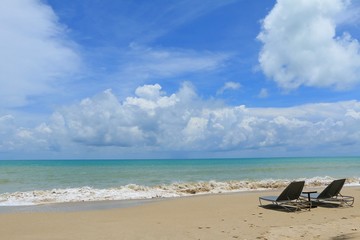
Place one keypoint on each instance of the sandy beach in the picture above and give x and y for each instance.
(228, 216)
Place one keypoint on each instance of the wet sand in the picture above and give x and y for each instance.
(225, 216)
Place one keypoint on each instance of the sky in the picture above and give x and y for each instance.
(121, 79)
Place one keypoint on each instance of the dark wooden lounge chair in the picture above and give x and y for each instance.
(331, 195)
(289, 198)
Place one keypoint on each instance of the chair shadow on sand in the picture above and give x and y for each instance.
(278, 208)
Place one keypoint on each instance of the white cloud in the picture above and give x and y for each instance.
(301, 46)
(195, 129)
(154, 121)
(149, 91)
(152, 20)
(6, 125)
(351, 16)
(35, 53)
(263, 93)
(147, 63)
(149, 98)
(228, 86)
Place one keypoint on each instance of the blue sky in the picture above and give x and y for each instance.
(173, 79)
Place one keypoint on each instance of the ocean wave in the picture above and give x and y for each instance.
(134, 191)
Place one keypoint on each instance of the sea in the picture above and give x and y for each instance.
(34, 182)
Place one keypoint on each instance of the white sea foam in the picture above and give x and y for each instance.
(133, 191)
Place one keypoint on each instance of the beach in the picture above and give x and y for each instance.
(214, 216)
(176, 120)
(126, 119)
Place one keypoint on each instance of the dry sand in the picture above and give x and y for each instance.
(229, 216)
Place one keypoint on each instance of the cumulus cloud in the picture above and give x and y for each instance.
(153, 121)
(228, 86)
(16, 138)
(302, 48)
(35, 53)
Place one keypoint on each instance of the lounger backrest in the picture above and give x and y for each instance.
(333, 189)
(292, 191)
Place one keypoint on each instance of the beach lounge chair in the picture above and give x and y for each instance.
(331, 194)
(289, 198)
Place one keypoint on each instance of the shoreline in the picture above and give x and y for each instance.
(215, 216)
(134, 192)
(126, 203)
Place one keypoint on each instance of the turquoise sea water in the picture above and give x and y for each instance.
(33, 182)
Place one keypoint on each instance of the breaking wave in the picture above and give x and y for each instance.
(133, 191)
